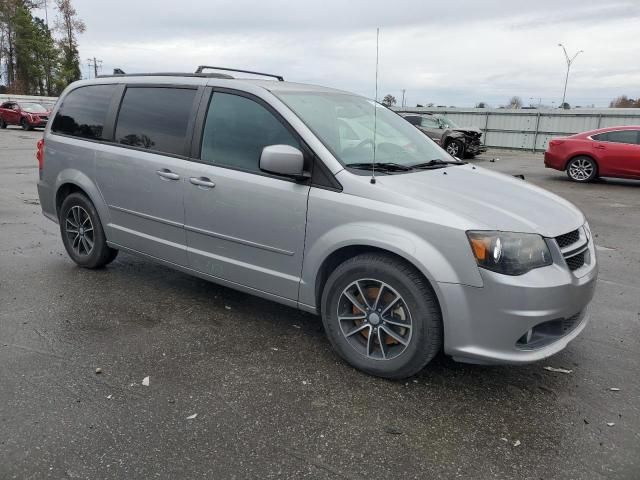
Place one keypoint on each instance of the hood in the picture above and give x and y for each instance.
(490, 200)
(472, 130)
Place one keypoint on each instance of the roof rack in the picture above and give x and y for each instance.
(202, 67)
(168, 74)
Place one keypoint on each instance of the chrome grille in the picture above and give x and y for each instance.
(568, 238)
(576, 261)
(575, 248)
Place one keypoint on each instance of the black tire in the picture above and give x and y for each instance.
(582, 169)
(25, 125)
(424, 339)
(3, 124)
(100, 254)
(455, 148)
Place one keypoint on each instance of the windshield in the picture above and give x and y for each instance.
(33, 108)
(345, 124)
(447, 122)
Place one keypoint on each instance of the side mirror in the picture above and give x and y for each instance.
(283, 160)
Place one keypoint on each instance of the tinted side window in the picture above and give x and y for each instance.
(237, 129)
(84, 111)
(623, 136)
(601, 137)
(155, 118)
(413, 120)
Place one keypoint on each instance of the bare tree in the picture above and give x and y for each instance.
(389, 100)
(624, 102)
(515, 102)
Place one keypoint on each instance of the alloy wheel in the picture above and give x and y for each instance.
(79, 230)
(374, 319)
(581, 169)
(453, 149)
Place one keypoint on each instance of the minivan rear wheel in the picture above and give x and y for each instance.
(381, 316)
(82, 233)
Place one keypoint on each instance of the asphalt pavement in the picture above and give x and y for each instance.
(239, 387)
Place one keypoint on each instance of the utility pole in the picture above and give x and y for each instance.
(95, 64)
(46, 14)
(566, 79)
(403, 91)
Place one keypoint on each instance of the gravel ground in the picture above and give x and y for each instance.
(271, 398)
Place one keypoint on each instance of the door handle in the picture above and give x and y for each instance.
(202, 182)
(168, 174)
(600, 147)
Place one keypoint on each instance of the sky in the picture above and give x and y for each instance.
(452, 52)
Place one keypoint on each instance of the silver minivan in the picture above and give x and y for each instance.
(324, 201)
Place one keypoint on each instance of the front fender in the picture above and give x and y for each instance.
(413, 248)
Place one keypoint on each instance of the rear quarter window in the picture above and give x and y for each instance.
(84, 111)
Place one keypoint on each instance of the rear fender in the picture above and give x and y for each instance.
(82, 181)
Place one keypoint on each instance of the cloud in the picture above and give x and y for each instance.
(454, 53)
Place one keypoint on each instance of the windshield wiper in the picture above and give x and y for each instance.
(385, 166)
(436, 163)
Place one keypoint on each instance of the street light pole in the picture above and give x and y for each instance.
(566, 78)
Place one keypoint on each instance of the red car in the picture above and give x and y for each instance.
(28, 115)
(607, 152)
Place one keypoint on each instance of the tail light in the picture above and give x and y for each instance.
(40, 154)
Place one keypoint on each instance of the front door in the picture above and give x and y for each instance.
(142, 180)
(619, 152)
(242, 225)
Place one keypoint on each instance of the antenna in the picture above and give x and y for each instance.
(375, 109)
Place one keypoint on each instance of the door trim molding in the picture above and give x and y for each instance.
(147, 216)
(241, 241)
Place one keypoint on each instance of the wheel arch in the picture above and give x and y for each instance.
(576, 155)
(345, 252)
(70, 181)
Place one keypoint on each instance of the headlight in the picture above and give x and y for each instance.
(509, 253)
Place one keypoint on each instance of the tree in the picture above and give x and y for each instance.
(28, 53)
(70, 26)
(481, 105)
(515, 102)
(624, 102)
(389, 100)
(565, 106)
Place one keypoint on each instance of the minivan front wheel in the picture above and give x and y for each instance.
(381, 316)
(82, 233)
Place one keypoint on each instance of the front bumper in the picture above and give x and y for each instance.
(487, 324)
(476, 148)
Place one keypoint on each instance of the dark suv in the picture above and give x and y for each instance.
(457, 141)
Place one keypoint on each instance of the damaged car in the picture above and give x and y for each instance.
(457, 141)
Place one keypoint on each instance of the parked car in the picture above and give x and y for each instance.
(607, 152)
(457, 141)
(324, 201)
(28, 115)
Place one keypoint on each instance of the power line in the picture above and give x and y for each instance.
(95, 64)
